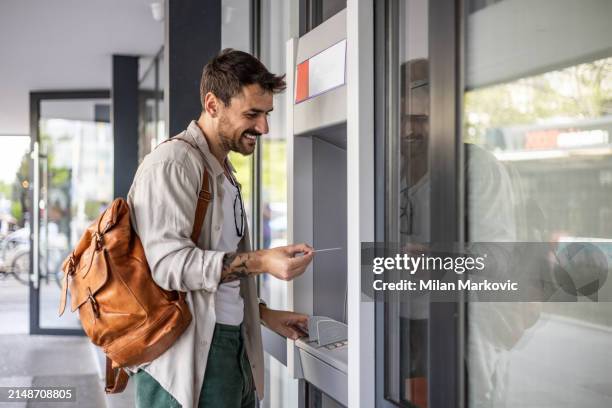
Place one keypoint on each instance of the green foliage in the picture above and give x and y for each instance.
(244, 174)
(92, 209)
(17, 211)
(5, 190)
(59, 176)
(274, 170)
(580, 91)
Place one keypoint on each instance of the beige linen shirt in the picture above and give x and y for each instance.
(162, 202)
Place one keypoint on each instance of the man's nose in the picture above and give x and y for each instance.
(262, 125)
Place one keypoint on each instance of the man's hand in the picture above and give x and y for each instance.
(282, 262)
(285, 263)
(287, 324)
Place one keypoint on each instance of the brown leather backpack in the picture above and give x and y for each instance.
(121, 308)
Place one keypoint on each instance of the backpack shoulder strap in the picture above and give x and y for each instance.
(204, 196)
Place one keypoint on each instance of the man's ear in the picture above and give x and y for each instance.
(211, 104)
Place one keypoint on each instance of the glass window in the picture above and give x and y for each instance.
(236, 24)
(314, 12)
(407, 219)
(537, 128)
(146, 109)
(236, 33)
(331, 7)
(76, 184)
(15, 223)
(274, 33)
(151, 126)
(161, 115)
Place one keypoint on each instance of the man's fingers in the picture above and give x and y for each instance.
(301, 333)
(290, 332)
(301, 261)
(299, 248)
(297, 268)
(303, 326)
(299, 318)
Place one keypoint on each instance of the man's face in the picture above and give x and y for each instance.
(245, 119)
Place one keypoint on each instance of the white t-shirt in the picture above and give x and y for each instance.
(229, 305)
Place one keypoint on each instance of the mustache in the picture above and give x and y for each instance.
(252, 132)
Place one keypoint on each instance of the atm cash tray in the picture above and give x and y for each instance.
(324, 366)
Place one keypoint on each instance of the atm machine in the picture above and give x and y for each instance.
(317, 147)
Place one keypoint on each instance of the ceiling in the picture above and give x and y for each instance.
(66, 44)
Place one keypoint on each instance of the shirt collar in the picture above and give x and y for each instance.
(198, 137)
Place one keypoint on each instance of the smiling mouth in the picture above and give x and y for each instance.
(250, 136)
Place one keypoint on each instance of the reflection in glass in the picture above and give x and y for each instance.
(76, 184)
(539, 159)
(406, 322)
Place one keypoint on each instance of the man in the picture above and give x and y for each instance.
(218, 361)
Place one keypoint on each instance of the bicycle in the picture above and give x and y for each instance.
(15, 260)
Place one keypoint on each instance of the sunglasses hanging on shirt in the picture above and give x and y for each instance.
(238, 205)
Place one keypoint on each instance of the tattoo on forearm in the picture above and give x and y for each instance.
(234, 266)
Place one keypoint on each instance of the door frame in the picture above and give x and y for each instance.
(446, 333)
(36, 97)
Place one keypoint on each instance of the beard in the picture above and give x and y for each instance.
(236, 143)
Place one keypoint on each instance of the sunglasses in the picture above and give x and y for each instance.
(238, 206)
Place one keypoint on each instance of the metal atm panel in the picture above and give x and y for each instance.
(329, 229)
(319, 207)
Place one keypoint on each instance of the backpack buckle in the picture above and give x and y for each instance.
(99, 240)
(71, 266)
(94, 305)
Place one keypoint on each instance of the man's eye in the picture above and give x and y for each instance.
(251, 115)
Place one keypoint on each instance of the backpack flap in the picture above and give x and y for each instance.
(89, 255)
(83, 285)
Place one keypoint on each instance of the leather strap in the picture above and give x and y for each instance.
(204, 196)
(116, 378)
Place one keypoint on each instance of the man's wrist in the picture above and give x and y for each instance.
(235, 266)
(255, 263)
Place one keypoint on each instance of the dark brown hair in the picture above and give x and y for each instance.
(230, 70)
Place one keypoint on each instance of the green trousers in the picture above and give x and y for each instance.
(228, 382)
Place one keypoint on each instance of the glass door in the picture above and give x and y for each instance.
(537, 130)
(72, 174)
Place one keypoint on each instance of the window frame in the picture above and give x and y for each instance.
(446, 334)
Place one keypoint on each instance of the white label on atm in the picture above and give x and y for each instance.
(321, 73)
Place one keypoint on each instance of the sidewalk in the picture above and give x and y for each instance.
(60, 361)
